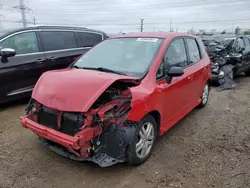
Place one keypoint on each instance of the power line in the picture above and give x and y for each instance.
(158, 6)
(201, 21)
(163, 4)
(23, 9)
(154, 23)
(119, 12)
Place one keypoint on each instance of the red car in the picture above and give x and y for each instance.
(110, 105)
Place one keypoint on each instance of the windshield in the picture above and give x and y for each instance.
(130, 56)
(228, 41)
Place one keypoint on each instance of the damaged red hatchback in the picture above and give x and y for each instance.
(111, 104)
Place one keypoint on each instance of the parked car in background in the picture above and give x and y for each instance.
(27, 53)
(112, 103)
(229, 58)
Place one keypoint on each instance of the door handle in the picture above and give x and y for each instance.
(189, 77)
(39, 60)
(53, 58)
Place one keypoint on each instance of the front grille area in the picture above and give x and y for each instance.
(48, 118)
(71, 122)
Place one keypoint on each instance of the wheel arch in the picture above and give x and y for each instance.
(157, 116)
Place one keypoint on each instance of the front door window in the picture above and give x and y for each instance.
(23, 43)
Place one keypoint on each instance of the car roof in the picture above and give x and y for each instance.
(152, 35)
(51, 27)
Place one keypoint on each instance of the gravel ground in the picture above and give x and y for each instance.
(208, 148)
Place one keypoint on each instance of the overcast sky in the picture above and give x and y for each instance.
(124, 15)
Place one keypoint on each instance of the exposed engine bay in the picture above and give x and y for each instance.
(103, 132)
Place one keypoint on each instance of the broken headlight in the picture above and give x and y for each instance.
(31, 107)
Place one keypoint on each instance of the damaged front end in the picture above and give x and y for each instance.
(101, 134)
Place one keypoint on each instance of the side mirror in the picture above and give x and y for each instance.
(175, 71)
(7, 52)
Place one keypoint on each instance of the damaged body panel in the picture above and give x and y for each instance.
(229, 58)
(82, 85)
(99, 133)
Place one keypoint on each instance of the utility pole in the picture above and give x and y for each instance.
(1, 25)
(34, 20)
(23, 9)
(170, 25)
(142, 20)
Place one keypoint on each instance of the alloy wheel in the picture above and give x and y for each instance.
(145, 141)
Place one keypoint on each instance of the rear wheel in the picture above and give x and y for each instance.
(204, 96)
(143, 142)
(247, 73)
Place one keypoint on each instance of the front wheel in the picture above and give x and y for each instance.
(143, 142)
(204, 96)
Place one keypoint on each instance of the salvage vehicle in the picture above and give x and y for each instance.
(27, 53)
(113, 102)
(229, 58)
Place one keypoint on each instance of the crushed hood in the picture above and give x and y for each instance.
(73, 90)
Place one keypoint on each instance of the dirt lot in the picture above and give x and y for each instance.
(209, 148)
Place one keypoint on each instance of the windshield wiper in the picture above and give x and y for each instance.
(77, 67)
(103, 69)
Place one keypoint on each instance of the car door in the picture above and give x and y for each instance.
(247, 51)
(241, 49)
(20, 73)
(174, 95)
(196, 68)
(60, 48)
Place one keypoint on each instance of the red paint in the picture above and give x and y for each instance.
(76, 90)
(73, 90)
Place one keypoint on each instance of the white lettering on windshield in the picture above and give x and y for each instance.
(147, 39)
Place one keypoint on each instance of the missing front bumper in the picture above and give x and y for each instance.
(106, 149)
(103, 160)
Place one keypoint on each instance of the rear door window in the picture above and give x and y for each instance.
(86, 39)
(58, 40)
(23, 43)
(193, 50)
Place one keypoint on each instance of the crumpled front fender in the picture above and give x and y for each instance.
(143, 102)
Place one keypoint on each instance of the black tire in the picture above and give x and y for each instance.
(204, 102)
(131, 154)
(247, 73)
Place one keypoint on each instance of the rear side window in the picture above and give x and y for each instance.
(193, 50)
(85, 39)
(247, 42)
(202, 47)
(23, 43)
(58, 40)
